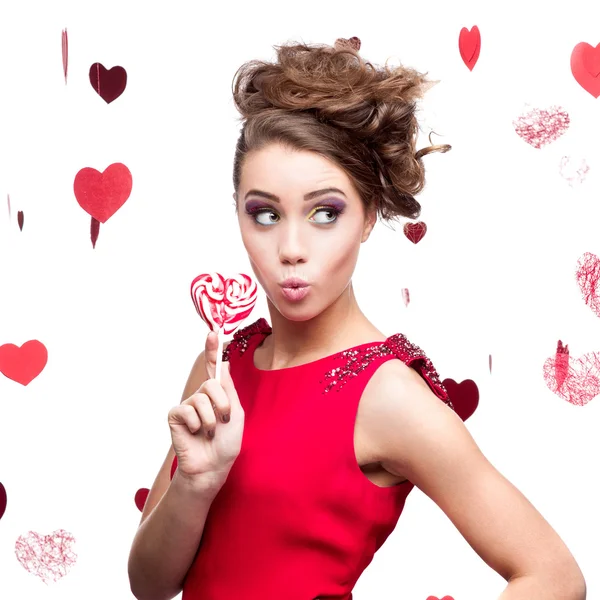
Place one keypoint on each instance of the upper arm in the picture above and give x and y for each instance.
(195, 379)
(424, 440)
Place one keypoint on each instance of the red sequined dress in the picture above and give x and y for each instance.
(297, 519)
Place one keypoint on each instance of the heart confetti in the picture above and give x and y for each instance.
(223, 303)
(573, 170)
(588, 279)
(541, 126)
(23, 364)
(415, 231)
(464, 396)
(101, 195)
(50, 557)
(140, 498)
(585, 66)
(469, 45)
(575, 380)
(109, 84)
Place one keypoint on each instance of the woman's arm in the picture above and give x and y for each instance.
(172, 522)
(166, 542)
(421, 438)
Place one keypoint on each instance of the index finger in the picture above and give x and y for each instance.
(210, 354)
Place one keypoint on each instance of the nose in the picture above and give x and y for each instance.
(292, 246)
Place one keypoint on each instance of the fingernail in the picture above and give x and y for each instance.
(210, 433)
(225, 418)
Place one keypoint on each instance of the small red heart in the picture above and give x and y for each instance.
(588, 279)
(140, 498)
(23, 364)
(540, 127)
(464, 396)
(585, 66)
(102, 194)
(469, 45)
(415, 231)
(436, 598)
(50, 557)
(109, 84)
(575, 380)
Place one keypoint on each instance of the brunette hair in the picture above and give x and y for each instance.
(329, 100)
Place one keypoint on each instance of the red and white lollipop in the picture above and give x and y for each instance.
(223, 304)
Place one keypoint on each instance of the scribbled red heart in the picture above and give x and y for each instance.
(140, 498)
(102, 194)
(108, 83)
(588, 279)
(464, 396)
(469, 45)
(585, 66)
(542, 126)
(49, 557)
(3, 500)
(23, 364)
(575, 380)
(415, 231)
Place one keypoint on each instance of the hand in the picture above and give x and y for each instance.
(207, 427)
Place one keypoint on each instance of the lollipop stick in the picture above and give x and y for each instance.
(219, 352)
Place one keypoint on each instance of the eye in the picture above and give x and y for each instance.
(327, 210)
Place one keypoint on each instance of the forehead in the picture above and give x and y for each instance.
(277, 168)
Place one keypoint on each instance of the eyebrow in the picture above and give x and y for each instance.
(308, 196)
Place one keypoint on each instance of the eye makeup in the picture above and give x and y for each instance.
(254, 207)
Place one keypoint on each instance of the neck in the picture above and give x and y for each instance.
(337, 327)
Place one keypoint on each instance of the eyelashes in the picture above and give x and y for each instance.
(336, 211)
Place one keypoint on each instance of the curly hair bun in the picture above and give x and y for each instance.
(371, 110)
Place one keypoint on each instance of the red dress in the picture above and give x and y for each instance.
(296, 518)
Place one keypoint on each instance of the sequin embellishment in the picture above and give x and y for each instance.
(357, 360)
(242, 336)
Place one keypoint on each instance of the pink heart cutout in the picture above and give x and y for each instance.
(49, 557)
(575, 380)
(588, 279)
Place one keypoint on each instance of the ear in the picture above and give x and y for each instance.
(370, 220)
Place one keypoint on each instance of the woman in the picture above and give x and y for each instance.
(335, 432)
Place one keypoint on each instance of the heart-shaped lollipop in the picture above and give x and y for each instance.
(223, 303)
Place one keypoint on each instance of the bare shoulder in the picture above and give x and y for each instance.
(397, 403)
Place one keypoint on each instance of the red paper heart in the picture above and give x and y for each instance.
(415, 231)
(588, 279)
(469, 45)
(140, 498)
(109, 84)
(585, 66)
(102, 194)
(3, 500)
(464, 396)
(50, 557)
(539, 127)
(575, 380)
(23, 364)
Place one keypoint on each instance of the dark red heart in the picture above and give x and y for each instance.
(102, 194)
(23, 364)
(140, 498)
(469, 45)
(415, 231)
(464, 396)
(109, 84)
(3, 500)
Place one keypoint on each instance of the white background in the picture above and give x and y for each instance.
(495, 273)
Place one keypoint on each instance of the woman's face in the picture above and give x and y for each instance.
(291, 229)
